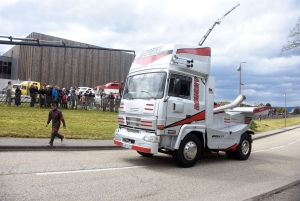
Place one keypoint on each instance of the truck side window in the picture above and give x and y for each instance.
(179, 86)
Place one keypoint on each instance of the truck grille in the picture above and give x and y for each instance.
(132, 121)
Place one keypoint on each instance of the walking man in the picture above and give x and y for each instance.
(56, 116)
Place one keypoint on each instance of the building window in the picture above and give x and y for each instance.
(5, 70)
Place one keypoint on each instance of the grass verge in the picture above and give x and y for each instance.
(23, 122)
(274, 124)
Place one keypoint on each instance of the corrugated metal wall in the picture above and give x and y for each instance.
(71, 67)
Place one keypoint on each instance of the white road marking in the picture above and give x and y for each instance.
(93, 170)
(277, 147)
(257, 151)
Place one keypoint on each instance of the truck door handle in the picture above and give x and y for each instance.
(188, 116)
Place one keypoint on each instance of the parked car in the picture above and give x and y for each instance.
(15, 86)
(84, 89)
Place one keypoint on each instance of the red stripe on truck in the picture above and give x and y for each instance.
(197, 51)
(142, 149)
(118, 143)
(260, 109)
(149, 60)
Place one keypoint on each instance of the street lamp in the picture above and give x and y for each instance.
(240, 69)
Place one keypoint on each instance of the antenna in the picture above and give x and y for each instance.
(218, 22)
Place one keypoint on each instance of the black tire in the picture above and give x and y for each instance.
(231, 154)
(249, 132)
(243, 151)
(189, 151)
(145, 154)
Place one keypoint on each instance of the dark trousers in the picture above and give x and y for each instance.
(42, 102)
(65, 105)
(54, 134)
(33, 100)
(48, 99)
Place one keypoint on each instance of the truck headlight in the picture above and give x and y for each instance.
(149, 138)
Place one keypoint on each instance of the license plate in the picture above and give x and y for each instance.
(128, 146)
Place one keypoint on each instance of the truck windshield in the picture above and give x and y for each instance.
(148, 85)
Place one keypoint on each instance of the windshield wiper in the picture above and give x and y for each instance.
(149, 94)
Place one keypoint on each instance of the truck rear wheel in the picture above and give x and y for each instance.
(244, 149)
(145, 154)
(188, 153)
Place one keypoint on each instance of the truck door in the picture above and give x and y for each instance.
(179, 103)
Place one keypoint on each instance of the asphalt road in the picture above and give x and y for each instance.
(124, 175)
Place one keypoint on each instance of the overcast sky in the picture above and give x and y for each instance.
(254, 33)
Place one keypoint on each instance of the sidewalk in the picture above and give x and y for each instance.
(40, 144)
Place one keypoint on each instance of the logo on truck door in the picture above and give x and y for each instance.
(196, 94)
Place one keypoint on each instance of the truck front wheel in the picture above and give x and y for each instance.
(188, 153)
(244, 149)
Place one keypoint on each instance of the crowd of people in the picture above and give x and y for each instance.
(72, 98)
(64, 98)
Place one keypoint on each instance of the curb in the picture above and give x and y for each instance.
(58, 148)
(276, 133)
(272, 192)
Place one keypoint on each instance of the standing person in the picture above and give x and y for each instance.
(90, 100)
(259, 118)
(33, 92)
(97, 101)
(18, 96)
(56, 116)
(42, 93)
(83, 100)
(60, 95)
(65, 101)
(48, 93)
(76, 98)
(121, 89)
(71, 97)
(111, 99)
(8, 94)
(55, 94)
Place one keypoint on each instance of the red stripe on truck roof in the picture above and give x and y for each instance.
(197, 51)
(260, 109)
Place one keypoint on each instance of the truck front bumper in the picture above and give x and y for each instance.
(143, 142)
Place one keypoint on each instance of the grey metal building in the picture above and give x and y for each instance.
(66, 67)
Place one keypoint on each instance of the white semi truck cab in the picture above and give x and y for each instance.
(168, 107)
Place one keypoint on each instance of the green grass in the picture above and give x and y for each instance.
(24, 122)
(274, 124)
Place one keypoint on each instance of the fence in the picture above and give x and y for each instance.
(276, 116)
(107, 105)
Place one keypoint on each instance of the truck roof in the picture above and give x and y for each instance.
(174, 56)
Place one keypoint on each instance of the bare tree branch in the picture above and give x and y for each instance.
(293, 40)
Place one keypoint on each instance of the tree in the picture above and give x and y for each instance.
(293, 40)
(296, 111)
(268, 105)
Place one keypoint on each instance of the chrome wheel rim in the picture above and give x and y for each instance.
(190, 150)
(245, 147)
